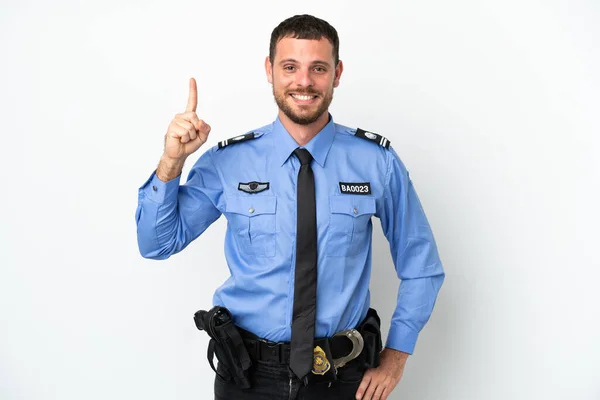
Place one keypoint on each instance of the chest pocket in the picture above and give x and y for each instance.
(349, 224)
(252, 220)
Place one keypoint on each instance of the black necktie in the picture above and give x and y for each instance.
(305, 282)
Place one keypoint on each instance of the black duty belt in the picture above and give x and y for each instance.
(343, 347)
(237, 349)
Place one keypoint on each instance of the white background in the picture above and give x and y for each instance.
(492, 105)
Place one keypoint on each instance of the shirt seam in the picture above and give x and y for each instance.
(156, 227)
(221, 180)
(388, 173)
(388, 177)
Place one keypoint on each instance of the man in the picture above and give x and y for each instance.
(298, 195)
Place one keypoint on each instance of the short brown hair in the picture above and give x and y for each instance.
(305, 27)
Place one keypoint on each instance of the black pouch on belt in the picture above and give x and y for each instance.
(371, 333)
(226, 343)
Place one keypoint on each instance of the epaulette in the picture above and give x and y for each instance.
(373, 137)
(238, 139)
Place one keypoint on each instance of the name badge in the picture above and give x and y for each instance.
(355, 187)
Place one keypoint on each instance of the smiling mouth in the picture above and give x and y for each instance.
(303, 97)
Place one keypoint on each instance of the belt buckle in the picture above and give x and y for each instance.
(357, 346)
(274, 350)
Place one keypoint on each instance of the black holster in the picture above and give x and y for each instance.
(371, 333)
(226, 343)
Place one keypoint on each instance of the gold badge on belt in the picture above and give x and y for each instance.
(320, 362)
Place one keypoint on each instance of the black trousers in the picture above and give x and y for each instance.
(272, 382)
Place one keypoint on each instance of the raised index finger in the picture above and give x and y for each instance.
(193, 97)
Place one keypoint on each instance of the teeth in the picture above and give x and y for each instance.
(300, 97)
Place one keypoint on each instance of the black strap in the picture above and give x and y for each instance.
(226, 344)
(240, 348)
(279, 353)
(264, 350)
(210, 355)
(305, 281)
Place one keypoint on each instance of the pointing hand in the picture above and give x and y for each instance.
(186, 133)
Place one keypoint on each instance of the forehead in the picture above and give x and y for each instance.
(304, 50)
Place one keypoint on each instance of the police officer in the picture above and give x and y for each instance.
(301, 175)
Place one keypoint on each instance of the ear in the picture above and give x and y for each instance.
(269, 70)
(338, 73)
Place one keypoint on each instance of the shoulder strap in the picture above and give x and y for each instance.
(373, 137)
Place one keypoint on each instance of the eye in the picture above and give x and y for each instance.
(288, 68)
(320, 69)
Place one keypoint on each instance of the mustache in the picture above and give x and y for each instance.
(305, 92)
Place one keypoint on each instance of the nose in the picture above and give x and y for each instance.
(303, 78)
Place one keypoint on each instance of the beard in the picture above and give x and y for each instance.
(304, 116)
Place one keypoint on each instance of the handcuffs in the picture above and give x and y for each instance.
(357, 346)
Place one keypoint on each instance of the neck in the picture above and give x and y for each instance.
(302, 134)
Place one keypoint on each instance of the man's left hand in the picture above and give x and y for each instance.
(378, 383)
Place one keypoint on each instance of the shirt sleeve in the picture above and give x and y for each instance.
(169, 216)
(414, 253)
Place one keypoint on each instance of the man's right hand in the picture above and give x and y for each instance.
(185, 135)
(186, 132)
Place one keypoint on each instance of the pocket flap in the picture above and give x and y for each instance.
(251, 205)
(352, 205)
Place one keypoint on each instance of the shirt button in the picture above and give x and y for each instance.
(355, 210)
(154, 188)
(251, 210)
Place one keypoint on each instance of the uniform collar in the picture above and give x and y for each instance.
(318, 146)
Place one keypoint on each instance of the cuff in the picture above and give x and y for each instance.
(160, 192)
(401, 338)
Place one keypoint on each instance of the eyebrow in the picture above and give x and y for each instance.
(312, 63)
